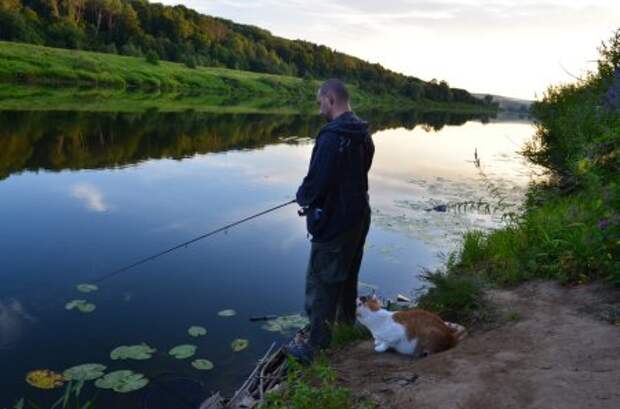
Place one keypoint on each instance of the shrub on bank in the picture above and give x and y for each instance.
(570, 228)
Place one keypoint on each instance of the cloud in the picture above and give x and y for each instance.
(91, 196)
(13, 318)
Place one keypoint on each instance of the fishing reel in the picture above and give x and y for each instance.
(303, 211)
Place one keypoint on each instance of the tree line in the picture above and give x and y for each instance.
(176, 33)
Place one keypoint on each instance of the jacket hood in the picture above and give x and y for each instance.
(349, 125)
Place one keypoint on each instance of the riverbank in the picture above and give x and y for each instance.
(551, 348)
(36, 77)
(548, 346)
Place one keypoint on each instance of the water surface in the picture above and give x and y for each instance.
(82, 194)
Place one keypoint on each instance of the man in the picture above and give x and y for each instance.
(334, 196)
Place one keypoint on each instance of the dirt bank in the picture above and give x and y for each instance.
(551, 348)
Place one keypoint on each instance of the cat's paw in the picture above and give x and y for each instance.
(381, 347)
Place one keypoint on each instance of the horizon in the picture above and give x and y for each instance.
(540, 48)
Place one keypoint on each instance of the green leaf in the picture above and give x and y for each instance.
(87, 288)
(81, 305)
(19, 404)
(239, 344)
(196, 331)
(137, 352)
(183, 351)
(85, 372)
(286, 323)
(227, 313)
(123, 381)
(203, 364)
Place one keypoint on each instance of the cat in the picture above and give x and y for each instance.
(418, 332)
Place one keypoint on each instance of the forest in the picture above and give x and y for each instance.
(151, 30)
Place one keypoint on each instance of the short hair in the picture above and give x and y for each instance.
(336, 87)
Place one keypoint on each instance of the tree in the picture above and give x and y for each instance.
(152, 57)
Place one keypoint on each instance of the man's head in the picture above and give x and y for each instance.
(333, 99)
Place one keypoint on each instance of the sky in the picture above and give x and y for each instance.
(504, 47)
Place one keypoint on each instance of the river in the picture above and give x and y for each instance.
(82, 194)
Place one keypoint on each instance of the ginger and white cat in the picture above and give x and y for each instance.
(416, 332)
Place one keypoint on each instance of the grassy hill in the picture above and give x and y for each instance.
(164, 83)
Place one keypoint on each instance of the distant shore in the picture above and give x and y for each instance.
(39, 78)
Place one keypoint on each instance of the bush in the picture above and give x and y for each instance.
(152, 57)
(65, 35)
(570, 229)
(454, 297)
(131, 50)
(14, 27)
(190, 62)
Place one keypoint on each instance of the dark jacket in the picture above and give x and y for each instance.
(335, 190)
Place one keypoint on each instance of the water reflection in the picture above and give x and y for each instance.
(91, 196)
(13, 320)
(84, 140)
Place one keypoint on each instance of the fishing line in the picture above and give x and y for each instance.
(192, 241)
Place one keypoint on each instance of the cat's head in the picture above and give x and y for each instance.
(366, 306)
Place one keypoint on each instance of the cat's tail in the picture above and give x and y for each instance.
(458, 330)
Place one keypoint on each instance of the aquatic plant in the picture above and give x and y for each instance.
(196, 331)
(137, 352)
(84, 372)
(44, 379)
(80, 305)
(203, 364)
(239, 344)
(87, 288)
(183, 351)
(286, 323)
(227, 313)
(122, 381)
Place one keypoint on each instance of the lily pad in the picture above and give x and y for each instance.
(286, 323)
(85, 372)
(44, 379)
(183, 351)
(87, 288)
(80, 305)
(123, 381)
(239, 344)
(203, 364)
(137, 352)
(227, 313)
(196, 331)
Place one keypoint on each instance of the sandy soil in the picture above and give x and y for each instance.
(550, 349)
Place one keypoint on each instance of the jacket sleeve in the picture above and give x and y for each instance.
(370, 153)
(321, 172)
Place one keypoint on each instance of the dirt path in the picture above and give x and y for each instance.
(552, 350)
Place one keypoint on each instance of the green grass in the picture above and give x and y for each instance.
(311, 387)
(25, 63)
(344, 334)
(105, 78)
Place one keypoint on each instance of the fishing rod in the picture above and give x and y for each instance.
(192, 241)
